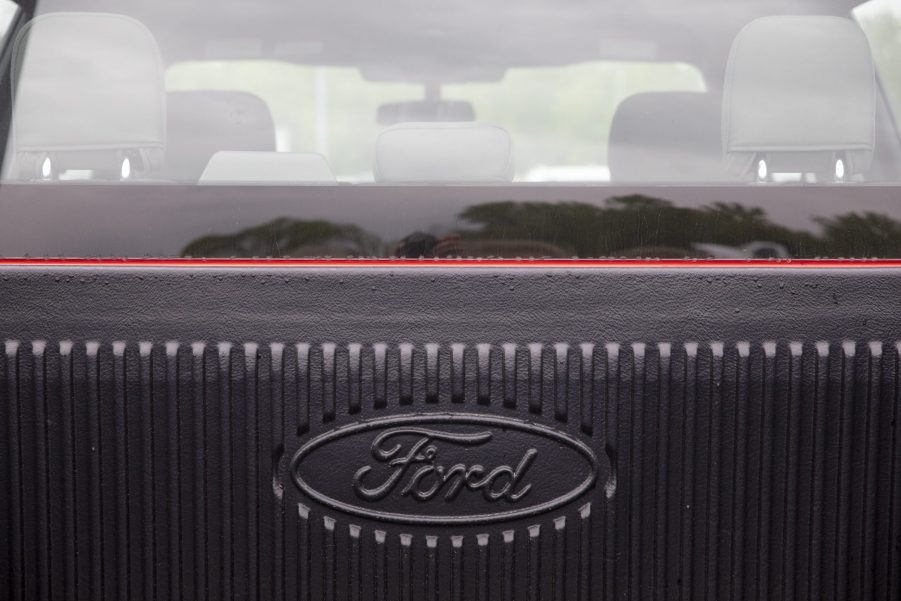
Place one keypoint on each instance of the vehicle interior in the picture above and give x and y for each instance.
(454, 93)
(605, 109)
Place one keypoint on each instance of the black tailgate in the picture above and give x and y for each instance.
(450, 434)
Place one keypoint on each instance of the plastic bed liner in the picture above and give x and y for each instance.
(457, 433)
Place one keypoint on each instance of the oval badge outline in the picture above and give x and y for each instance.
(503, 423)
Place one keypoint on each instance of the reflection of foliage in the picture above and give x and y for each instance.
(633, 225)
(867, 235)
(627, 226)
(286, 237)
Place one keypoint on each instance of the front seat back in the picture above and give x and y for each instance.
(667, 137)
(204, 122)
(276, 168)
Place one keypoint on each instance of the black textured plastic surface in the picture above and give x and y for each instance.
(449, 435)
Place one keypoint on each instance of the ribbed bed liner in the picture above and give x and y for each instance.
(450, 434)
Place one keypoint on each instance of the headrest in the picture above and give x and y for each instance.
(284, 168)
(800, 95)
(200, 123)
(444, 153)
(88, 93)
(667, 137)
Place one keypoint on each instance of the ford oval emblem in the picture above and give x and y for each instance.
(444, 469)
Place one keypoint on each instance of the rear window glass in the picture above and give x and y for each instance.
(728, 129)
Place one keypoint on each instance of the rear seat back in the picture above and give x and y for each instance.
(277, 168)
(667, 137)
(204, 122)
(457, 152)
(88, 95)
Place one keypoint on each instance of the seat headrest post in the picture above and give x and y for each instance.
(763, 172)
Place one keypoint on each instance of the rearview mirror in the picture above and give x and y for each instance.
(425, 110)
